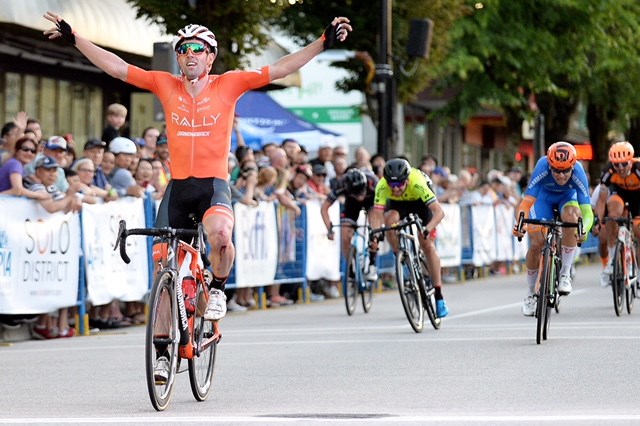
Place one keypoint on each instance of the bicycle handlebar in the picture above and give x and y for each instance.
(552, 223)
(407, 221)
(619, 220)
(123, 233)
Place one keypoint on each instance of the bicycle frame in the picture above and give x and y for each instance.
(171, 262)
(624, 255)
(354, 264)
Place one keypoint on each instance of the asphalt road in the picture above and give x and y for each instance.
(310, 364)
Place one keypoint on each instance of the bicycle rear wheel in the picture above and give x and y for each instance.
(429, 294)
(162, 338)
(201, 367)
(351, 281)
(617, 278)
(542, 309)
(409, 291)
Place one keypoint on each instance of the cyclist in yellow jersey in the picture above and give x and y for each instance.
(401, 191)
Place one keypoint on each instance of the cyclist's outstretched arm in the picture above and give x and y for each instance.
(336, 31)
(103, 59)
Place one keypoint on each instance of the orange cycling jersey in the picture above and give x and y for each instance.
(199, 129)
(630, 183)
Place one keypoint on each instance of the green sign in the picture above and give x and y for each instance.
(328, 114)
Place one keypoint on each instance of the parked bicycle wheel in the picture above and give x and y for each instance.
(351, 281)
(162, 338)
(409, 291)
(618, 278)
(429, 295)
(201, 366)
(543, 309)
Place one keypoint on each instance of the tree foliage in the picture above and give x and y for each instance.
(238, 24)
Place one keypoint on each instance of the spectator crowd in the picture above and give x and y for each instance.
(62, 176)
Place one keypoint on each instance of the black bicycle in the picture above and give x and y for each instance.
(355, 269)
(176, 328)
(624, 277)
(547, 293)
(415, 286)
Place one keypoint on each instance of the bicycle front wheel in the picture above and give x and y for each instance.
(409, 291)
(162, 338)
(542, 309)
(201, 366)
(351, 281)
(630, 292)
(429, 295)
(617, 278)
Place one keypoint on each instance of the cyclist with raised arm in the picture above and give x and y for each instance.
(404, 190)
(358, 187)
(199, 108)
(558, 182)
(619, 184)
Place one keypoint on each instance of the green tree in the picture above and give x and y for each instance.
(238, 25)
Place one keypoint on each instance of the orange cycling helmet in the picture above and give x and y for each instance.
(621, 152)
(561, 155)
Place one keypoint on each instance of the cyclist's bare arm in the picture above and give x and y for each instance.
(103, 59)
(324, 212)
(296, 60)
(437, 216)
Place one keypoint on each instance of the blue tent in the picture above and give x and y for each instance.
(264, 120)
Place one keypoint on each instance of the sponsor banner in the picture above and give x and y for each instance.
(108, 277)
(39, 254)
(323, 255)
(256, 243)
(504, 232)
(484, 230)
(449, 241)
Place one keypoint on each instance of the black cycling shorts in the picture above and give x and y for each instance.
(352, 207)
(630, 197)
(186, 200)
(404, 208)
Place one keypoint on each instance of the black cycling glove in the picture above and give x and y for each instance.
(66, 32)
(331, 35)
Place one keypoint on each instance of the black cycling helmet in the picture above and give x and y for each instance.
(355, 182)
(397, 170)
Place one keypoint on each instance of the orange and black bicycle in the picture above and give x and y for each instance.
(176, 328)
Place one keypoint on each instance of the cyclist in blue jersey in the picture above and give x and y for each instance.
(558, 182)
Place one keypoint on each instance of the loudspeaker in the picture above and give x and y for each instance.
(164, 59)
(420, 33)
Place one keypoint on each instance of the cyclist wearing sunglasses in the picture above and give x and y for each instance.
(199, 109)
(619, 184)
(558, 182)
(404, 190)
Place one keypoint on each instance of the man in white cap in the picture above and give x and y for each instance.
(56, 148)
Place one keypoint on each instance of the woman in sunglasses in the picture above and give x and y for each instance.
(619, 184)
(558, 182)
(12, 171)
(403, 190)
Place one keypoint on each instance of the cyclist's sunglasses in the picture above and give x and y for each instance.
(561, 171)
(398, 184)
(196, 48)
(621, 165)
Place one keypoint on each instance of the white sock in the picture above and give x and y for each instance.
(612, 250)
(568, 253)
(532, 277)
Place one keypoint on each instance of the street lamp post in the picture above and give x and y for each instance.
(384, 76)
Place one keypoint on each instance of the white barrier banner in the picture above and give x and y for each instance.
(449, 239)
(323, 255)
(484, 229)
(39, 254)
(108, 277)
(504, 235)
(256, 243)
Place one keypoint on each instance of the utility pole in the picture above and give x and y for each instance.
(384, 76)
